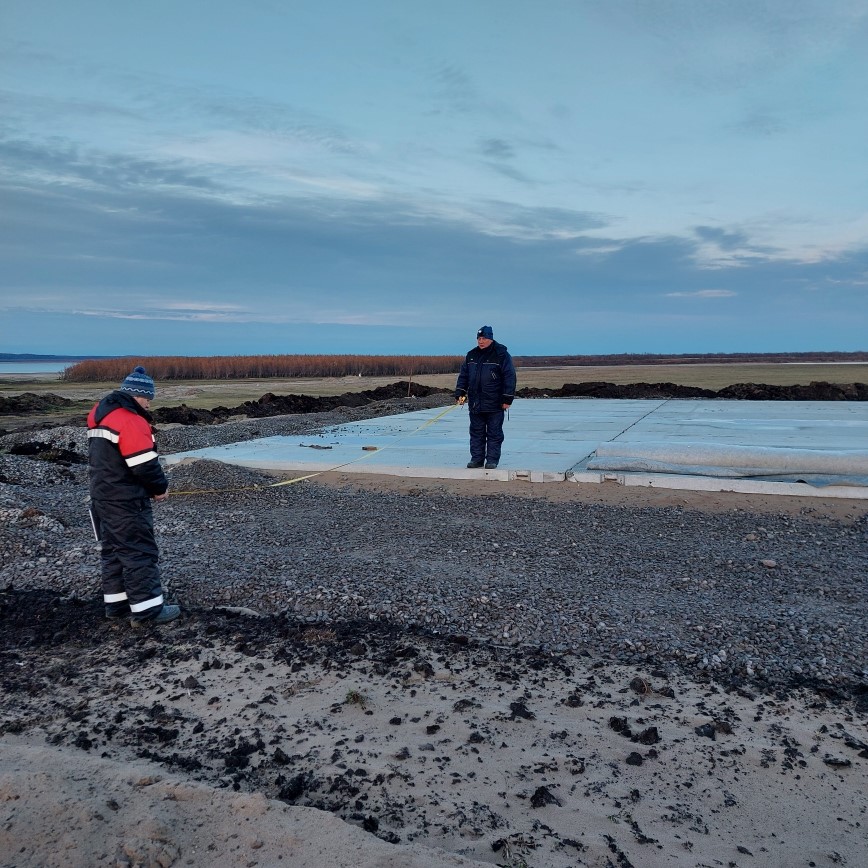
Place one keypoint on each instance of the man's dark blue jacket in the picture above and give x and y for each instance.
(487, 379)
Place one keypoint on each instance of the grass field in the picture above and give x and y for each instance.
(211, 393)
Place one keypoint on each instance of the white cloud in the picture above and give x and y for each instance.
(201, 307)
(703, 293)
(230, 314)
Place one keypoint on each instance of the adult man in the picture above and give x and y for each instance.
(125, 475)
(487, 382)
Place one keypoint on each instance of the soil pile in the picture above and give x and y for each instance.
(20, 405)
(817, 391)
(281, 405)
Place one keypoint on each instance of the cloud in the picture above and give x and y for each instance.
(165, 315)
(722, 238)
(731, 248)
(117, 243)
(703, 293)
(407, 318)
(18, 106)
(455, 89)
(62, 163)
(497, 149)
(510, 172)
(762, 123)
(720, 47)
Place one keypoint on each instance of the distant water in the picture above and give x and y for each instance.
(32, 367)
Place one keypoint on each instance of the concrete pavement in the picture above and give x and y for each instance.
(707, 442)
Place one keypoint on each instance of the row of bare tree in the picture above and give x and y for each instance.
(256, 367)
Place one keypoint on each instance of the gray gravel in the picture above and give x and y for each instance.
(769, 597)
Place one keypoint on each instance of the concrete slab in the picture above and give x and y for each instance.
(554, 440)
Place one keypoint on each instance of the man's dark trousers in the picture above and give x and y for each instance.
(486, 436)
(129, 557)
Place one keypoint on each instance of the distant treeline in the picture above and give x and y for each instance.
(686, 359)
(263, 367)
(256, 367)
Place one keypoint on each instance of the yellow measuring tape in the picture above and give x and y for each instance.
(367, 454)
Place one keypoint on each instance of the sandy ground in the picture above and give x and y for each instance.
(188, 747)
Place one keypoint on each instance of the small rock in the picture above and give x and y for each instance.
(837, 762)
(707, 730)
(542, 797)
(519, 709)
(640, 686)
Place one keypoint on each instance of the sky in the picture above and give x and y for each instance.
(199, 177)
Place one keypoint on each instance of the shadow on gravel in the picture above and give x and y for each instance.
(45, 452)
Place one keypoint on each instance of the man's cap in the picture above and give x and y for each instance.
(138, 383)
(486, 332)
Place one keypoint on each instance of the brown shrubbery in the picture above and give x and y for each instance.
(256, 367)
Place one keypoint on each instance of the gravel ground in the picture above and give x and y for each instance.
(772, 597)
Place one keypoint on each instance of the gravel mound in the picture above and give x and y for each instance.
(206, 476)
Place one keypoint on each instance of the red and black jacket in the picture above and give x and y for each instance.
(121, 453)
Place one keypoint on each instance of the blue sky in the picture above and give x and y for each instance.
(587, 176)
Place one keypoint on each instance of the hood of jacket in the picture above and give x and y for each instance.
(118, 400)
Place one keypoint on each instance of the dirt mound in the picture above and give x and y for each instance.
(611, 390)
(184, 415)
(281, 405)
(32, 403)
(818, 391)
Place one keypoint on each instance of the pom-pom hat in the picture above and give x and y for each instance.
(138, 383)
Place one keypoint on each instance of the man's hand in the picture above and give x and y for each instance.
(160, 497)
(505, 406)
(461, 400)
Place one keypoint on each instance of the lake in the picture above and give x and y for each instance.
(26, 367)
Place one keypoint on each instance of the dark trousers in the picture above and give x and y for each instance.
(129, 559)
(486, 436)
